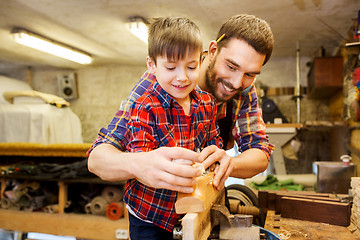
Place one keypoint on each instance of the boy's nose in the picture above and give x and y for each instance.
(181, 75)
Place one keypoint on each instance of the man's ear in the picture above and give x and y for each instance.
(212, 50)
(150, 65)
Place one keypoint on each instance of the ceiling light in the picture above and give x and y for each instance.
(47, 45)
(138, 27)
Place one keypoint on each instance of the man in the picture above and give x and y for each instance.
(228, 72)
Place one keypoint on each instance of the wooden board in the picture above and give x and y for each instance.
(41, 150)
(295, 229)
(280, 196)
(268, 198)
(78, 225)
(335, 213)
(197, 226)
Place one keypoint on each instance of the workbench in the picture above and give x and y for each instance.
(293, 229)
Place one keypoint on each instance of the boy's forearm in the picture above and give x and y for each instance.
(109, 163)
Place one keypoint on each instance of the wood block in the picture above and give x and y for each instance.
(263, 199)
(279, 196)
(197, 226)
(200, 199)
(335, 213)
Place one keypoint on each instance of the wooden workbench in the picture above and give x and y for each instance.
(293, 229)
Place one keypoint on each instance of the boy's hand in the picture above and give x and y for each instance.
(158, 170)
(217, 159)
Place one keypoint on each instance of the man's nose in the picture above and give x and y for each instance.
(238, 81)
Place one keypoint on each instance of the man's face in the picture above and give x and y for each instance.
(232, 69)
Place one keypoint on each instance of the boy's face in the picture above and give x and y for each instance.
(232, 69)
(177, 77)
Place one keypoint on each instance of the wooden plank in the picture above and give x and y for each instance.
(197, 226)
(78, 225)
(279, 196)
(41, 150)
(295, 229)
(63, 196)
(201, 198)
(267, 198)
(284, 125)
(2, 187)
(334, 213)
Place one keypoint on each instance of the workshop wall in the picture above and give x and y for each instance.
(102, 88)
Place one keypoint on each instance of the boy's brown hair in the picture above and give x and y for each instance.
(255, 31)
(173, 37)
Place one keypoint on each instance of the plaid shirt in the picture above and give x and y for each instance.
(157, 120)
(248, 124)
(248, 130)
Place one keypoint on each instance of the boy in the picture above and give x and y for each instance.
(171, 112)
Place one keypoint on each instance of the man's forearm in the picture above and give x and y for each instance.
(154, 169)
(109, 163)
(249, 163)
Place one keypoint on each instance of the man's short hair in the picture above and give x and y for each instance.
(253, 30)
(173, 37)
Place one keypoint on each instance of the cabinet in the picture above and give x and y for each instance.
(325, 77)
(69, 224)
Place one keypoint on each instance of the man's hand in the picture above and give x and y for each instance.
(217, 159)
(168, 168)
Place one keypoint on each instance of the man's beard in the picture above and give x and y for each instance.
(211, 83)
(210, 79)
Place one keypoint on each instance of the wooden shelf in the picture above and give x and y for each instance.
(85, 226)
(353, 44)
(77, 225)
(284, 125)
(40, 150)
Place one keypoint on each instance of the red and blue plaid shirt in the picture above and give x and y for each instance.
(248, 130)
(157, 120)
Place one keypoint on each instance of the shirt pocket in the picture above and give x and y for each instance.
(165, 135)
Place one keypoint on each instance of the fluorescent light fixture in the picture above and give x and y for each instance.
(138, 27)
(47, 45)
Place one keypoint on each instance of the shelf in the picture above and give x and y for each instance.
(67, 224)
(284, 125)
(94, 180)
(40, 150)
(84, 226)
(353, 44)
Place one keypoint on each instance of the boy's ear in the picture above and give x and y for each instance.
(212, 50)
(150, 64)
